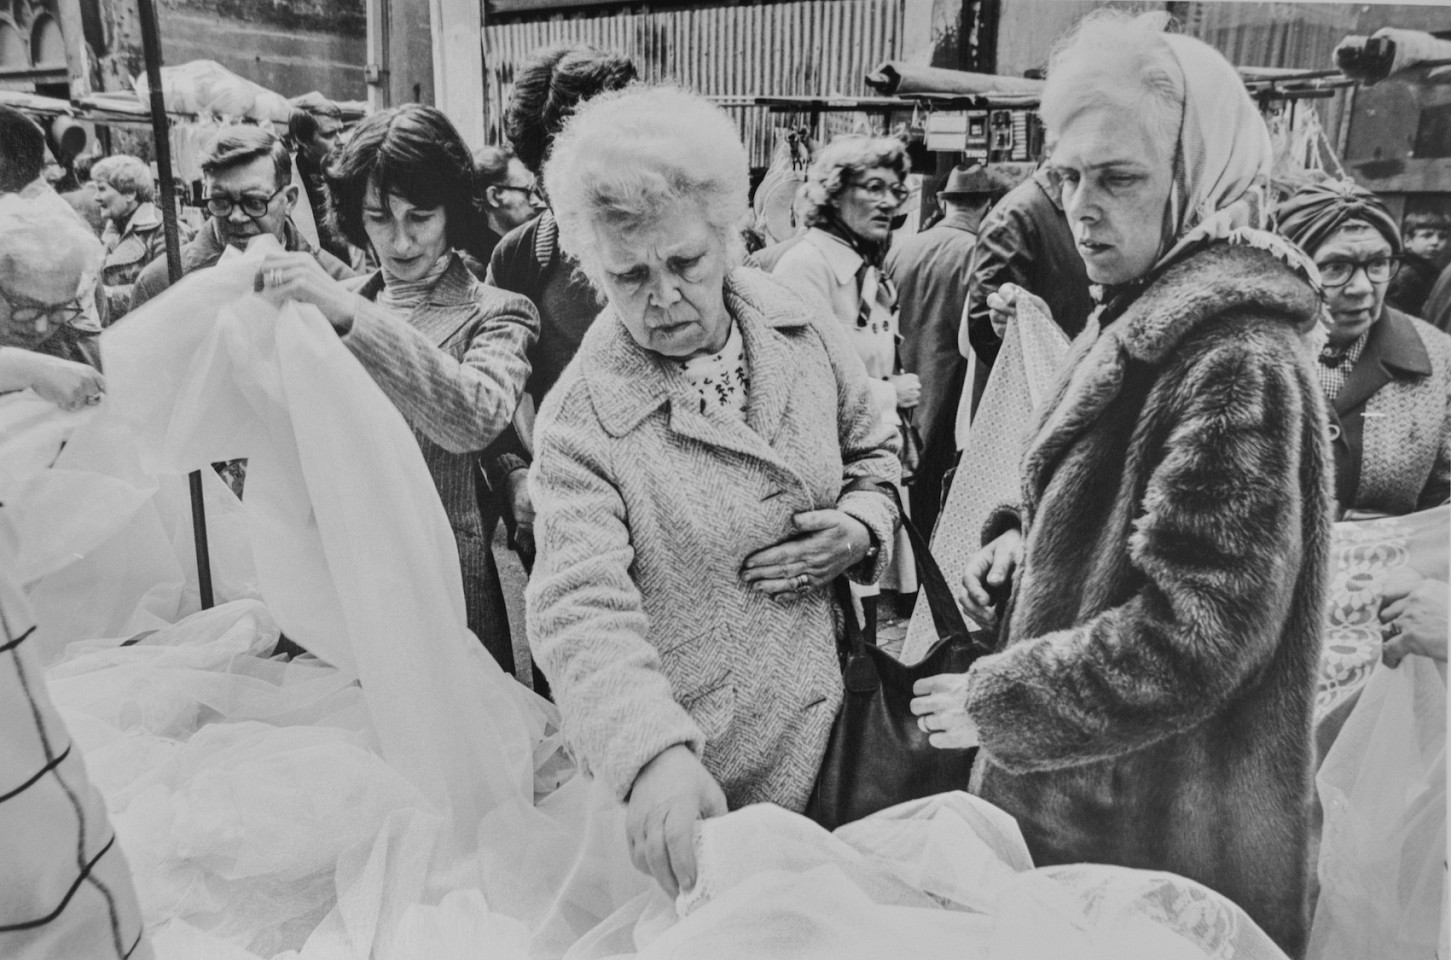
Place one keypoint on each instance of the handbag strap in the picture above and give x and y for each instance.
(946, 616)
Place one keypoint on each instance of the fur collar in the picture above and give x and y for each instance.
(1224, 278)
(1199, 290)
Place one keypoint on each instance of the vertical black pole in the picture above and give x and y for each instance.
(161, 134)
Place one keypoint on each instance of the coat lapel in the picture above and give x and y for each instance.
(1392, 349)
(628, 382)
(1093, 378)
(1194, 291)
(448, 306)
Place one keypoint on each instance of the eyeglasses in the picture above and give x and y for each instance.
(1337, 273)
(221, 205)
(32, 313)
(527, 191)
(880, 189)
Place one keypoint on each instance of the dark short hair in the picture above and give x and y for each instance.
(240, 145)
(22, 150)
(491, 166)
(550, 86)
(302, 124)
(1425, 220)
(412, 152)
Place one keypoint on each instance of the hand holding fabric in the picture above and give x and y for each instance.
(298, 276)
(988, 573)
(940, 706)
(65, 383)
(671, 794)
(1414, 613)
(1003, 304)
(827, 544)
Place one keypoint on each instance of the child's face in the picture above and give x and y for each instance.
(1426, 242)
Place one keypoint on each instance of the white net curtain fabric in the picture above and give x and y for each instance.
(397, 796)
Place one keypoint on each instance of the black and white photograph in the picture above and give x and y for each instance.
(724, 479)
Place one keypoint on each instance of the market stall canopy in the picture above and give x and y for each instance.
(206, 87)
(896, 78)
(909, 81)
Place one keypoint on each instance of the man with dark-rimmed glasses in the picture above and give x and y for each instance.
(247, 174)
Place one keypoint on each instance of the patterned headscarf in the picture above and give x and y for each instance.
(1314, 212)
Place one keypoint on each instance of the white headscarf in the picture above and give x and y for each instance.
(1221, 188)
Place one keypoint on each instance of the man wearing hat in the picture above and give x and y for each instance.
(931, 270)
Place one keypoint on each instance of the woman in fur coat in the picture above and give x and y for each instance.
(1150, 701)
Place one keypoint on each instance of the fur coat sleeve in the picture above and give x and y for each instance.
(1211, 504)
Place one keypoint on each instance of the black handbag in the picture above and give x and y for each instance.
(877, 755)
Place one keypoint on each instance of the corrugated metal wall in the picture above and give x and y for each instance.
(805, 48)
(1298, 35)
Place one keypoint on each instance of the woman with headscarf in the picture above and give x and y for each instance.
(1386, 374)
(853, 190)
(1150, 701)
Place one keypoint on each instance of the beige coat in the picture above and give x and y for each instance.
(647, 509)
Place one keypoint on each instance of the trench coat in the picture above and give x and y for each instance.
(647, 508)
(455, 368)
(1151, 699)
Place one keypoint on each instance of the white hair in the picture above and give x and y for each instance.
(1114, 58)
(628, 158)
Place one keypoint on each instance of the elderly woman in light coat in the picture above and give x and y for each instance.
(707, 465)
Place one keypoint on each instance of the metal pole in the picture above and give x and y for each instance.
(161, 133)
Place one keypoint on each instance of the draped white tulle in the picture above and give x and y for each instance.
(397, 796)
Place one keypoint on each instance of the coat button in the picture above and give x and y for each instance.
(1334, 432)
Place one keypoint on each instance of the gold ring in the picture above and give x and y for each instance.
(802, 581)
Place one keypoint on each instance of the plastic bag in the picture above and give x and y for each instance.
(1383, 849)
(1034, 347)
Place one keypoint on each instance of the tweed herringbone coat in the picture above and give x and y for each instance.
(647, 508)
(1151, 702)
(455, 368)
(1392, 433)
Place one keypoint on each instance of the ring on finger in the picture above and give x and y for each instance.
(1393, 629)
(275, 277)
(802, 581)
(922, 723)
(93, 399)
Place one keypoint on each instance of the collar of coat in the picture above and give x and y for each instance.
(842, 259)
(455, 286)
(143, 219)
(1221, 280)
(1393, 350)
(628, 382)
